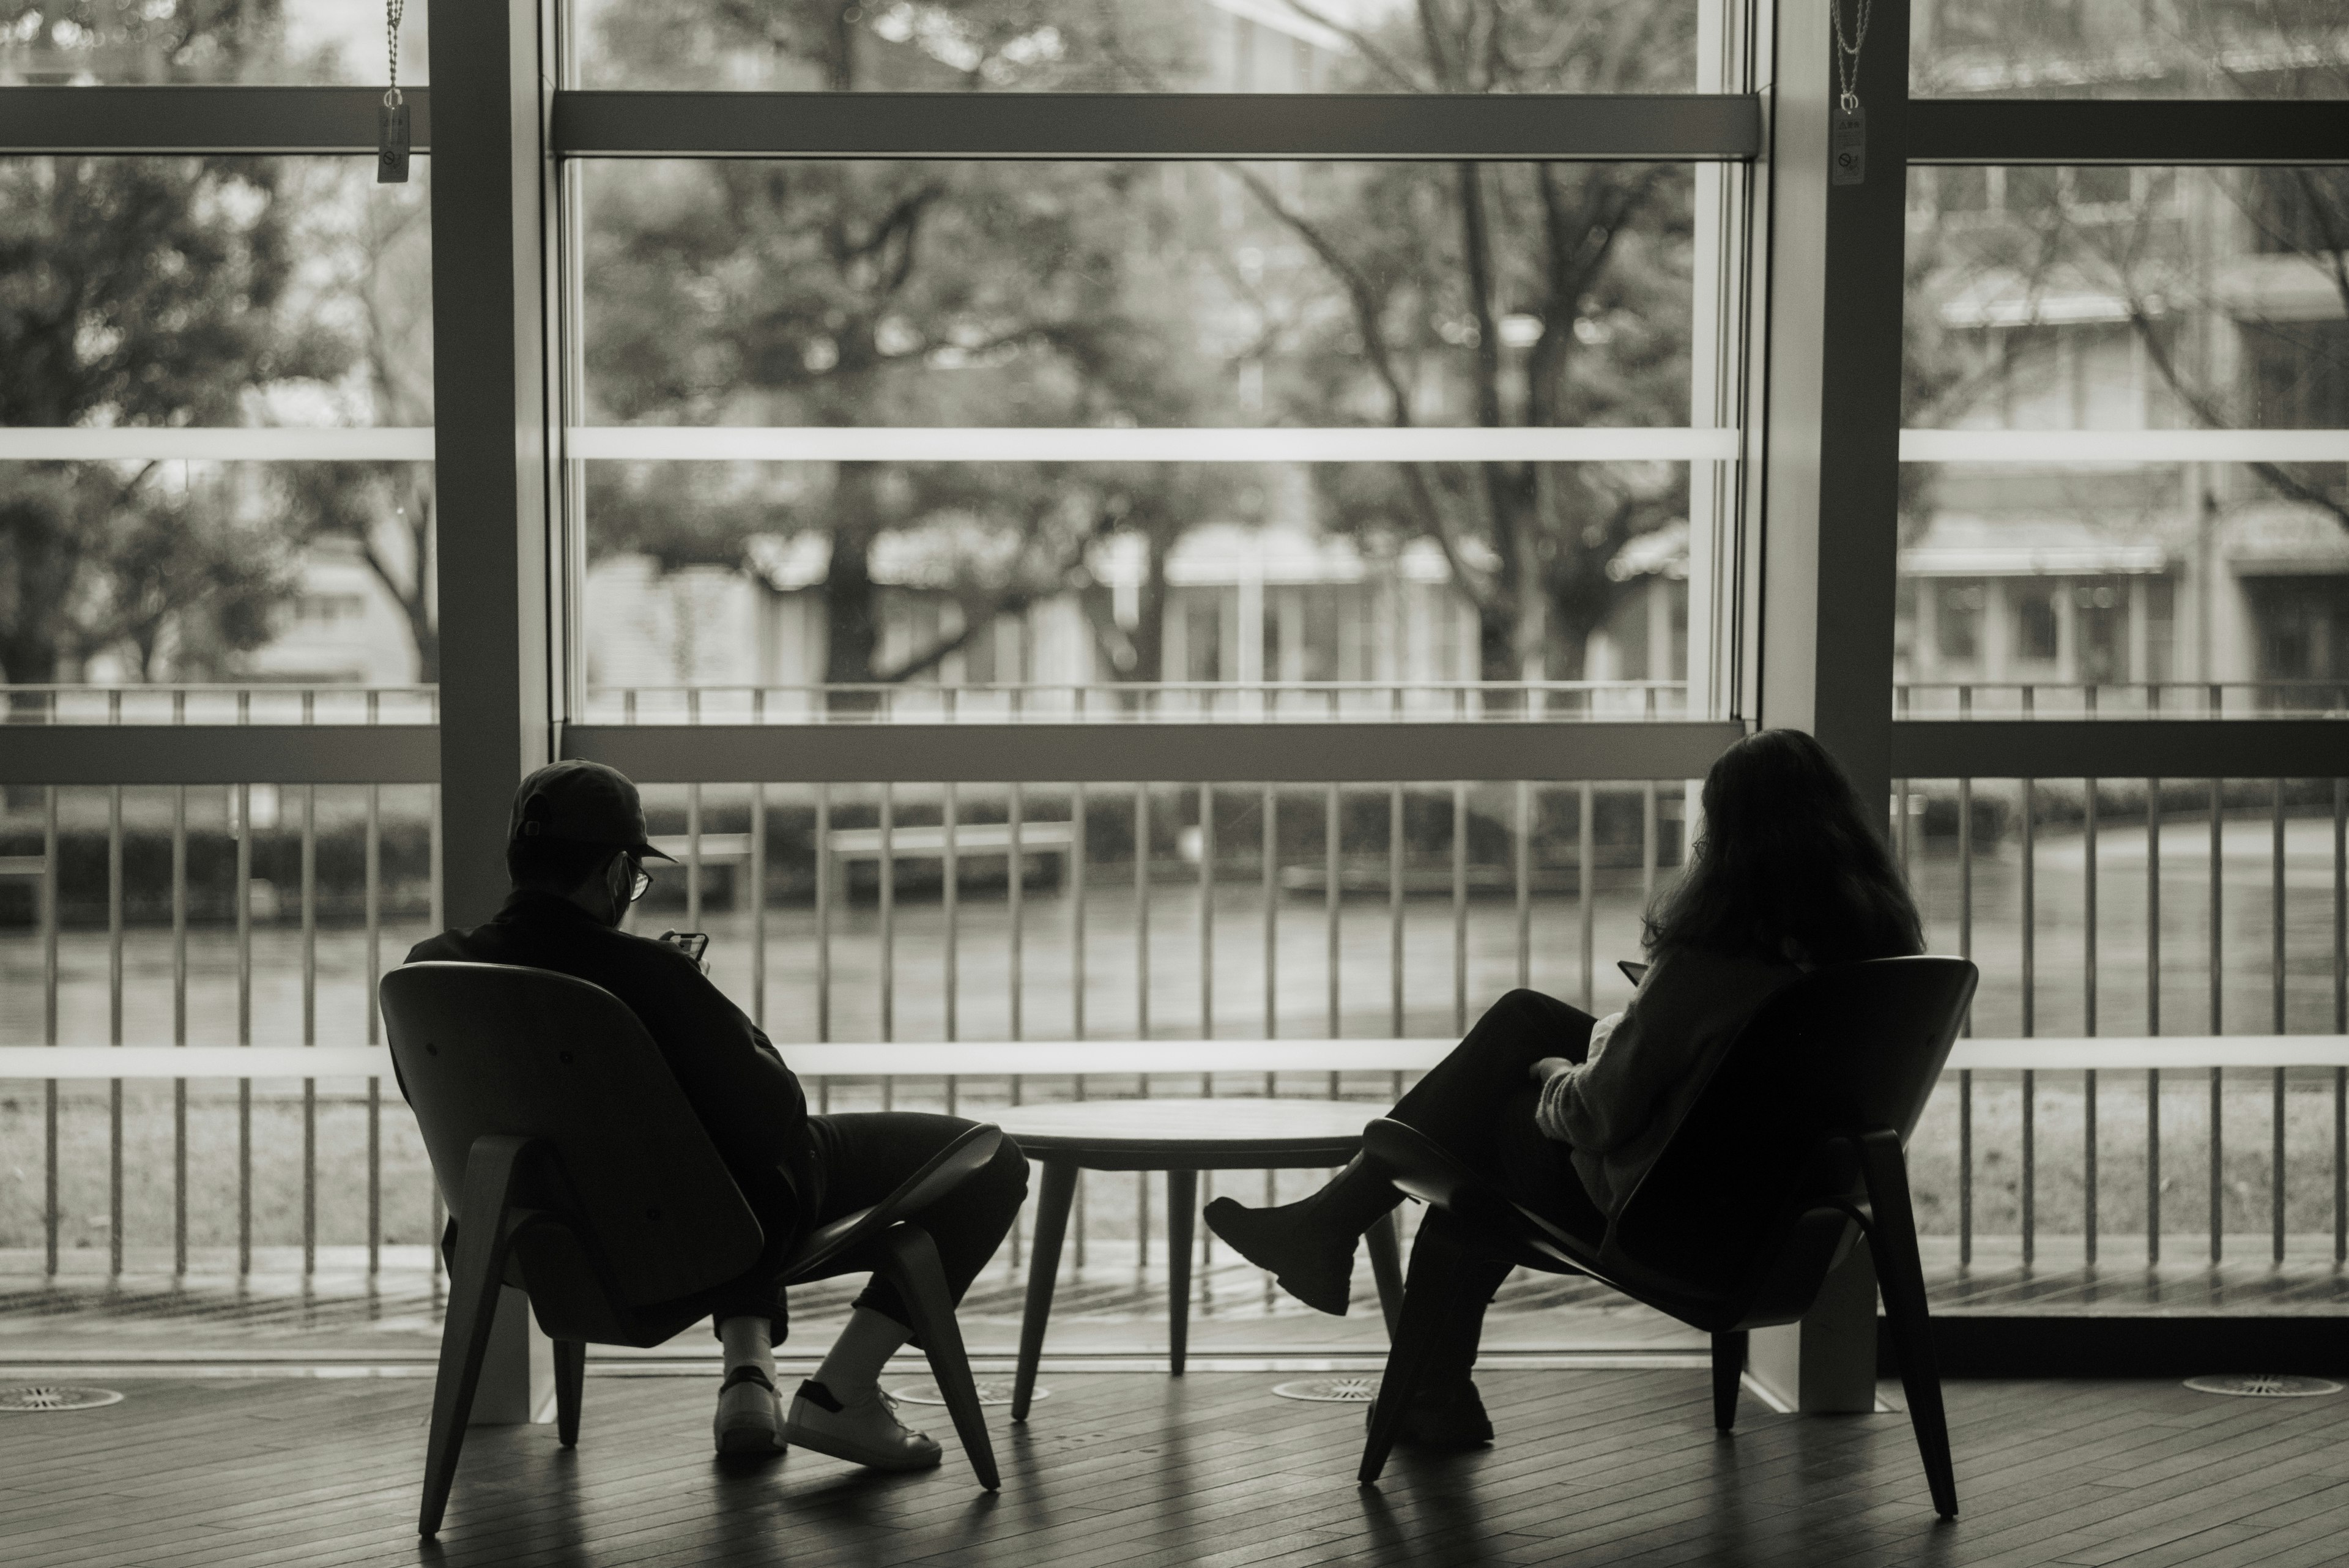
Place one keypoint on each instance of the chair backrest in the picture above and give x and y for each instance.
(498, 1048)
(1844, 1049)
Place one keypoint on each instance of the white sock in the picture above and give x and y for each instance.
(852, 1367)
(749, 1342)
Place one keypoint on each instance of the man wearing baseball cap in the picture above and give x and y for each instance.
(576, 848)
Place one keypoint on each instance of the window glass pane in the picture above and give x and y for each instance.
(748, 583)
(1141, 45)
(73, 43)
(258, 578)
(215, 292)
(1074, 424)
(215, 433)
(2120, 49)
(2127, 439)
(1108, 294)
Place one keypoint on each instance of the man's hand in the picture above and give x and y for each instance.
(1549, 1067)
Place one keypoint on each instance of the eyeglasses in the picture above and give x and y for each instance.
(640, 880)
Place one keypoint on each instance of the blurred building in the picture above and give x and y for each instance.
(2117, 299)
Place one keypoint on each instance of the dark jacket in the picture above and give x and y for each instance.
(731, 1075)
(1621, 1107)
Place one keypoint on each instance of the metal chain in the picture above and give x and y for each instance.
(396, 10)
(1848, 52)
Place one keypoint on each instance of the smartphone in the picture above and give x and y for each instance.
(1634, 973)
(692, 943)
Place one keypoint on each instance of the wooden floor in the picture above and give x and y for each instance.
(397, 1314)
(1142, 1470)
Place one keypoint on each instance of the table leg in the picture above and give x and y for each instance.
(1182, 1211)
(1385, 1237)
(1043, 1271)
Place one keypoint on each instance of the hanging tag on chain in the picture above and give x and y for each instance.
(391, 140)
(391, 122)
(1848, 144)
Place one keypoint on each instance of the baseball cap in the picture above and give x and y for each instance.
(583, 802)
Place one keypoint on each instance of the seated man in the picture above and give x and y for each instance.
(575, 849)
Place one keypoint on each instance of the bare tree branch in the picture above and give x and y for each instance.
(1385, 64)
(1369, 320)
(2206, 409)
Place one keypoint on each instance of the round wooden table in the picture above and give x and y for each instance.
(1181, 1137)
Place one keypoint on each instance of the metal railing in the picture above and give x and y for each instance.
(227, 703)
(2121, 699)
(1380, 909)
(864, 911)
(1189, 701)
(216, 960)
(2272, 858)
(1179, 702)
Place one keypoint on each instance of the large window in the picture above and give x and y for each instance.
(215, 442)
(1068, 424)
(2126, 390)
(967, 363)
(1044, 438)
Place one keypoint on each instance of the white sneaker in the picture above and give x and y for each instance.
(864, 1431)
(749, 1413)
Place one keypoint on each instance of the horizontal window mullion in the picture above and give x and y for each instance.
(1679, 127)
(2120, 748)
(1340, 752)
(1203, 443)
(2083, 448)
(182, 120)
(216, 443)
(219, 753)
(2218, 132)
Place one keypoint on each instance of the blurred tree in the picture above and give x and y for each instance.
(863, 294)
(876, 294)
(380, 294)
(139, 40)
(142, 291)
(133, 292)
(1494, 295)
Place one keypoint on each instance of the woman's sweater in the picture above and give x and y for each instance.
(1618, 1108)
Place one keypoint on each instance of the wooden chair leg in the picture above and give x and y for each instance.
(1728, 1370)
(1181, 1216)
(1043, 1271)
(473, 1284)
(570, 1383)
(910, 1261)
(1385, 1240)
(1427, 1292)
(1900, 1275)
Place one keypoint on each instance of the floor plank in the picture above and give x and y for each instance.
(1138, 1471)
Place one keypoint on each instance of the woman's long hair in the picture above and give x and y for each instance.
(1790, 864)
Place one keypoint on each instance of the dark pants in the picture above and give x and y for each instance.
(860, 1158)
(1478, 1104)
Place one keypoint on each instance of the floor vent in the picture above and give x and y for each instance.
(55, 1397)
(2264, 1386)
(1329, 1390)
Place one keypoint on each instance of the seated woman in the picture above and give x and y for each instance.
(1565, 1113)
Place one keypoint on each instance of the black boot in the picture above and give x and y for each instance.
(1448, 1414)
(1308, 1246)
